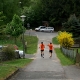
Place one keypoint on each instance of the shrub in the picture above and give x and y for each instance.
(9, 52)
(65, 39)
(72, 26)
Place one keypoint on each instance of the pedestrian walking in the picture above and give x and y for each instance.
(50, 49)
(42, 46)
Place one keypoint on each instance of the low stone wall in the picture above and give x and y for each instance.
(3, 57)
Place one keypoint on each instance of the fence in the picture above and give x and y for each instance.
(72, 53)
(69, 52)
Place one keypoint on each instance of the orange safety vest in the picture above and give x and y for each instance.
(50, 46)
(42, 46)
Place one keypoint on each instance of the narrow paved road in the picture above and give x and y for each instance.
(42, 68)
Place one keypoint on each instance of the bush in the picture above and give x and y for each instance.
(9, 52)
(65, 39)
(72, 26)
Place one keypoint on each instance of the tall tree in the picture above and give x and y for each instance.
(15, 28)
(72, 26)
(54, 11)
(11, 7)
(2, 26)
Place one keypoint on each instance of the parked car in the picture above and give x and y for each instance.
(40, 27)
(47, 29)
(20, 53)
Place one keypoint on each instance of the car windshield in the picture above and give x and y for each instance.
(41, 27)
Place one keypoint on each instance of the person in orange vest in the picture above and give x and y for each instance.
(50, 49)
(42, 46)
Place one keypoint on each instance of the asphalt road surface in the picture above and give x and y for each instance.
(43, 68)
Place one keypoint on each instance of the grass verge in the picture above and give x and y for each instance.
(55, 41)
(32, 42)
(63, 59)
(9, 67)
(6, 70)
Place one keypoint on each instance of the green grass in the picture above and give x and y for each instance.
(8, 67)
(6, 70)
(79, 50)
(18, 62)
(63, 59)
(55, 41)
(31, 43)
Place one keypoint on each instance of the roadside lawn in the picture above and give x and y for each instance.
(9, 67)
(30, 40)
(63, 59)
(55, 41)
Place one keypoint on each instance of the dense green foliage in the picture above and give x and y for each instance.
(15, 28)
(9, 52)
(72, 26)
(2, 26)
(55, 12)
(11, 7)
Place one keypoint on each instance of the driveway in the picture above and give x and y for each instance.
(44, 68)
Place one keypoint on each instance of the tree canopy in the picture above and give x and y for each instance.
(55, 12)
(72, 26)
